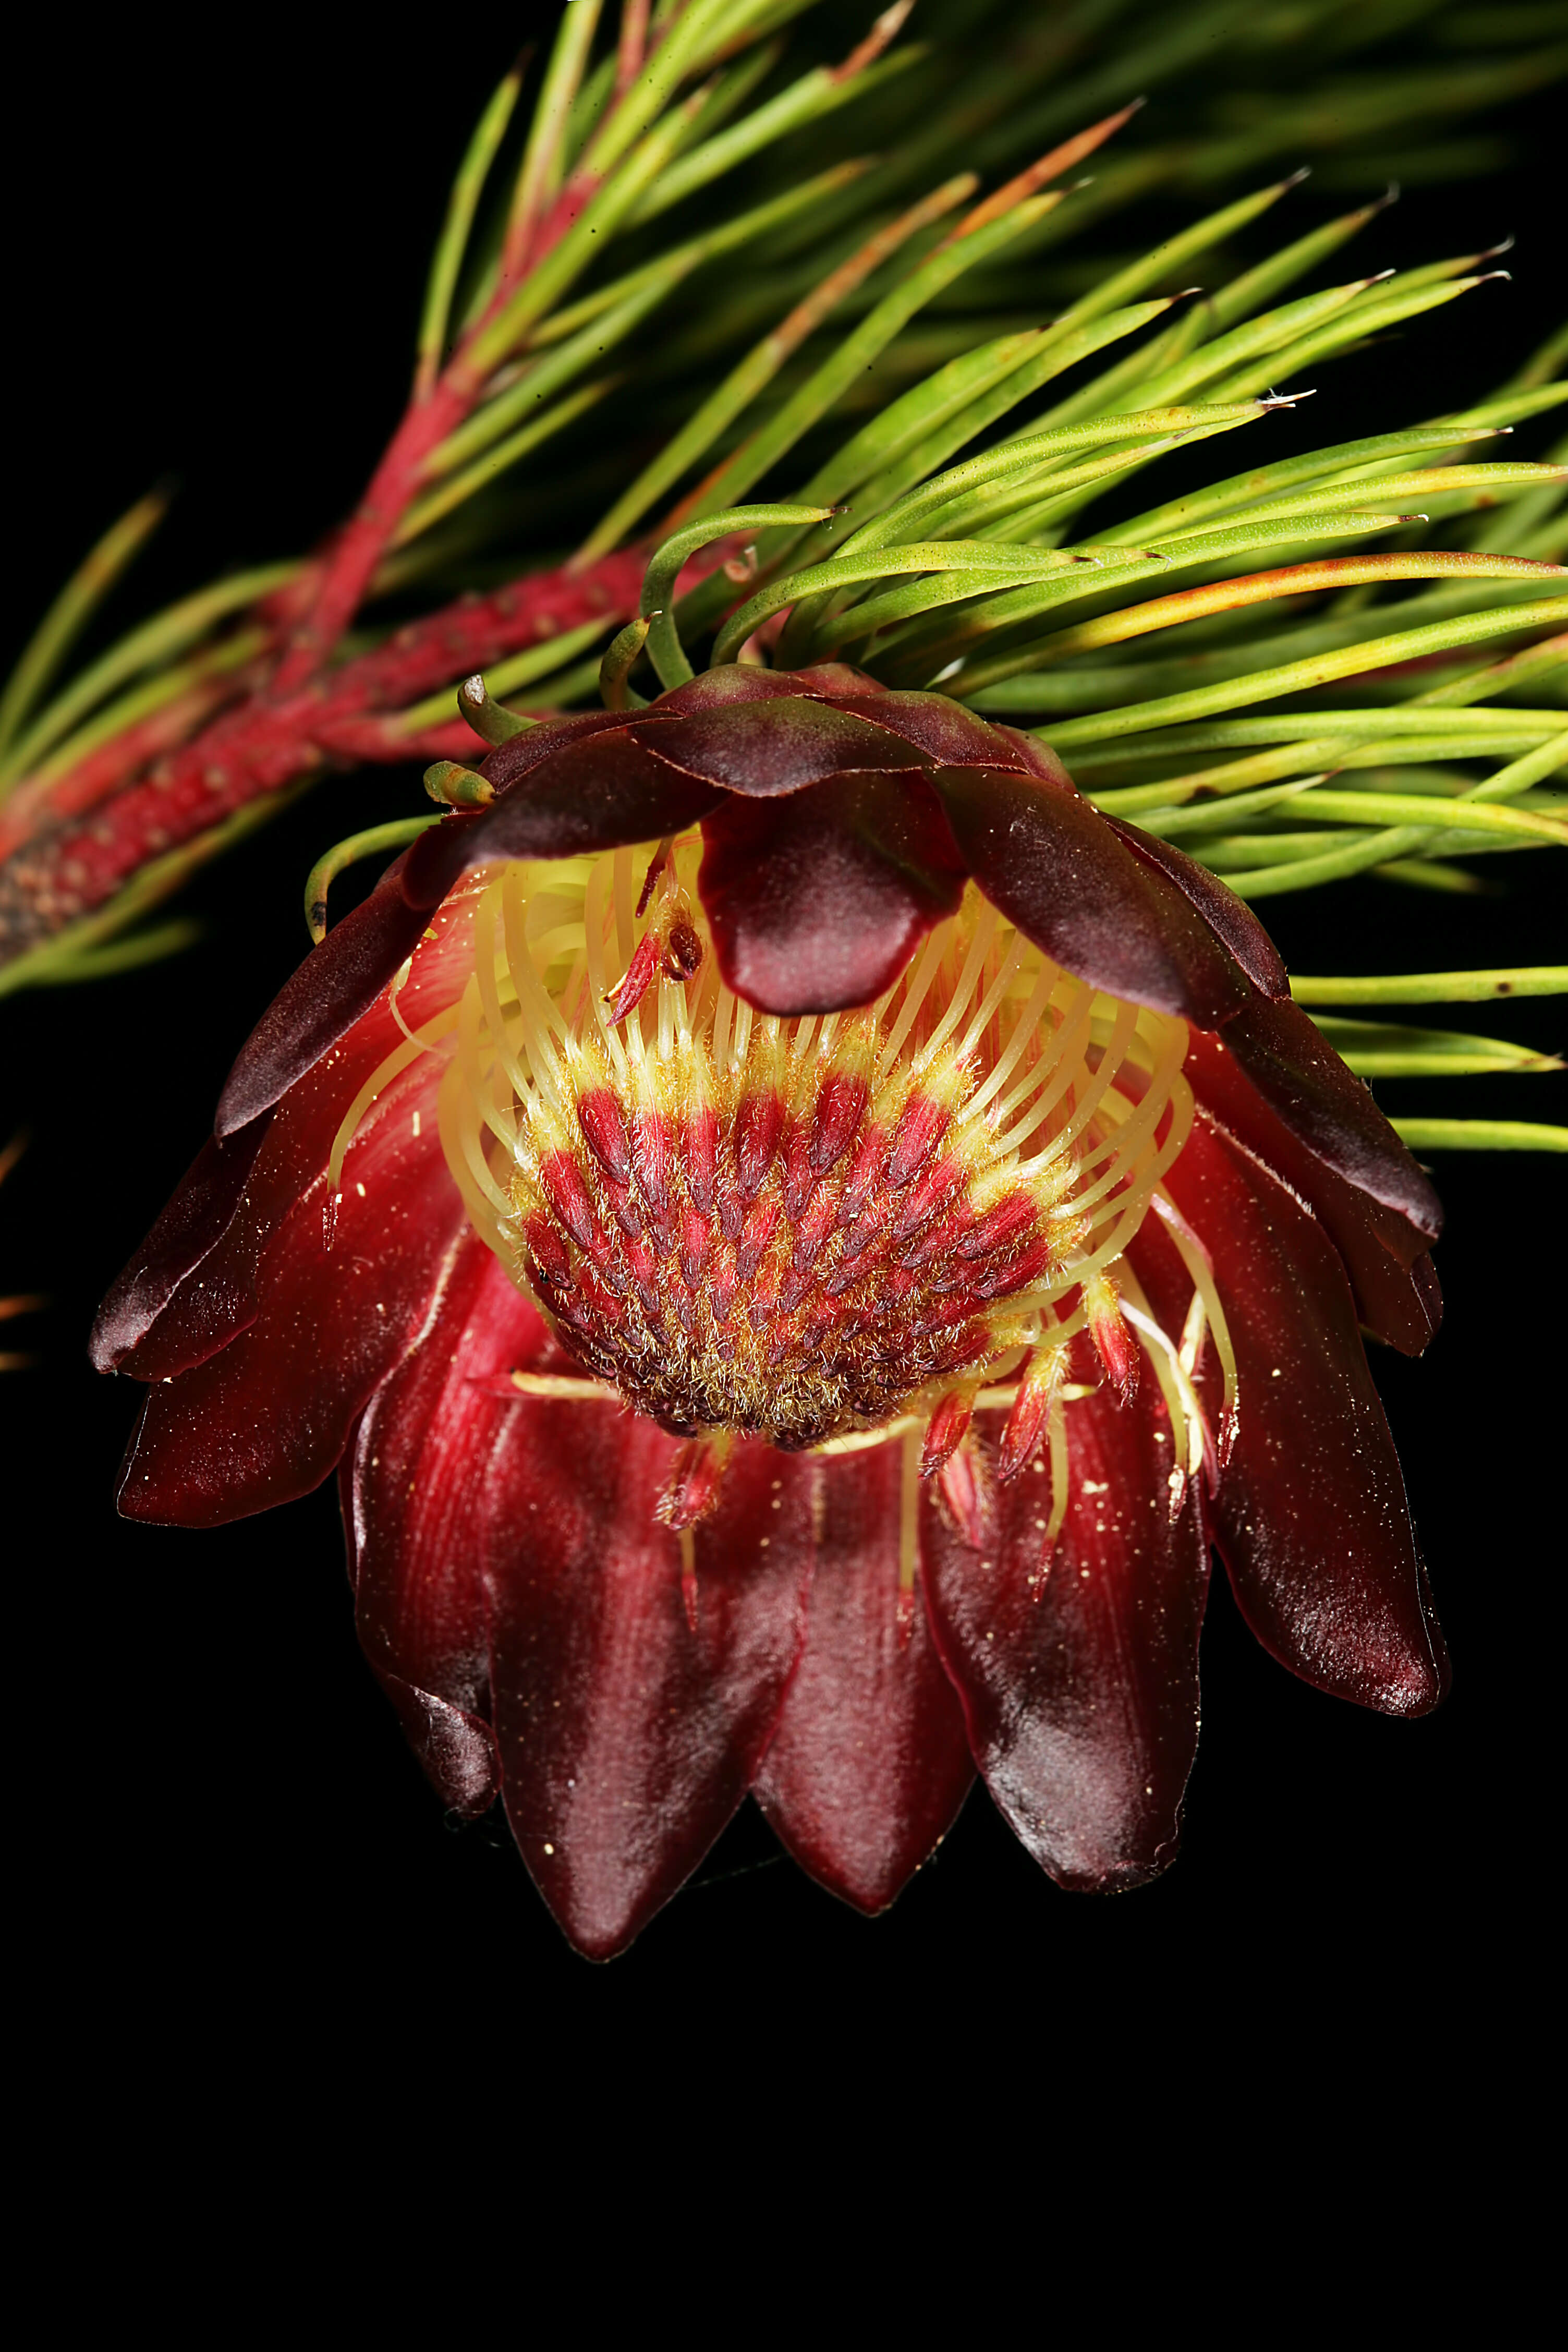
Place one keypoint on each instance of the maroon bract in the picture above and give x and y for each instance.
(796, 1233)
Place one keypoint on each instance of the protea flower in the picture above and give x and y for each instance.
(796, 1221)
(795, 1232)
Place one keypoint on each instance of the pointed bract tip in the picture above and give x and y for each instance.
(1390, 196)
(1505, 244)
(691, 1494)
(963, 1492)
(634, 984)
(459, 787)
(946, 1429)
(1296, 177)
(1113, 1343)
(491, 721)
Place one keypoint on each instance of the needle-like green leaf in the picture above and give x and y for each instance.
(810, 101)
(665, 650)
(741, 386)
(508, 676)
(1478, 1135)
(1432, 987)
(453, 242)
(1377, 1049)
(828, 383)
(374, 842)
(73, 607)
(1319, 670)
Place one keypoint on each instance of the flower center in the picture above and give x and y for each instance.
(796, 1229)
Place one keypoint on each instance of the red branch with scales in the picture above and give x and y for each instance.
(70, 844)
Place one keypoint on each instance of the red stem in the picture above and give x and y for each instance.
(71, 868)
(43, 801)
(632, 47)
(359, 546)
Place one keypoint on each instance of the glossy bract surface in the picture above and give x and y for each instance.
(796, 1234)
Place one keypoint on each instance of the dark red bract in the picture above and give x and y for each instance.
(515, 1589)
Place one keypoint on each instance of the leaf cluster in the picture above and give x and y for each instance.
(851, 314)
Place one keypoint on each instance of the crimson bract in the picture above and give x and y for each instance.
(796, 1233)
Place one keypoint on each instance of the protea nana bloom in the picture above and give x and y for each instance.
(795, 1232)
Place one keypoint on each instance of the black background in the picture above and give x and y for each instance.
(218, 276)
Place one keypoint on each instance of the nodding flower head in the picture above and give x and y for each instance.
(796, 1234)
